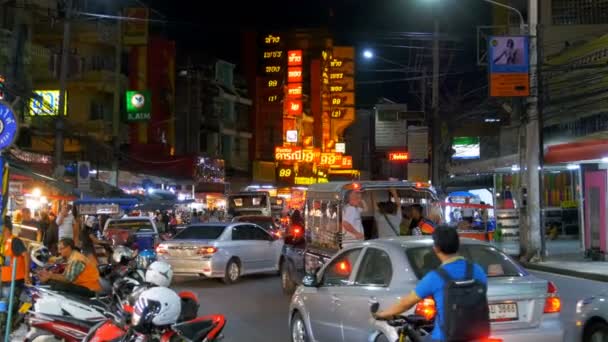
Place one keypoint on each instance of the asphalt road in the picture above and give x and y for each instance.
(256, 309)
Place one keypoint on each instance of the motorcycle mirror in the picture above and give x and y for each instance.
(374, 307)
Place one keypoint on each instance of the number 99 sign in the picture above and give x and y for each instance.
(285, 173)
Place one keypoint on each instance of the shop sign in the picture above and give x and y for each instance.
(340, 147)
(272, 40)
(139, 105)
(293, 107)
(294, 57)
(331, 159)
(8, 126)
(309, 180)
(288, 153)
(294, 91)
(46, 103)
(84, 174)
(294, 75)
(398, 156)
(286, 174)
(291, 136)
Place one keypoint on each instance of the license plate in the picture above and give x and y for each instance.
(503, 312)
(25, 307)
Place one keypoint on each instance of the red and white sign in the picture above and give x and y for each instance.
(294, 75)
(294, 57)
(294, 90)
(293, 107)
(398, 156)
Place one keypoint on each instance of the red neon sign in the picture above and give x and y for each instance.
(294, 57)
(398, 156)
(294, 90)
(288, 153)
(293, 107)
(294, 75)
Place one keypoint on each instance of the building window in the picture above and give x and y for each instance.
(579, 12)
(97, 111)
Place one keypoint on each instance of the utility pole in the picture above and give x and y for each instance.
(116, 104)
(531, 239)
(63, 75)
(436, 131)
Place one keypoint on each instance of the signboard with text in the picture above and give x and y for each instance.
(46, 103)
(138, 105)
(509, 66)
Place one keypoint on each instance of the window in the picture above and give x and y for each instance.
(323, 223)
(376, 269)
(494, 263)
(579, 12)
(243, 232)
(200, 233)
(260, 235)
(339, 270)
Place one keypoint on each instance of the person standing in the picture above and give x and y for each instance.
(352, 225)
(13, 248)
(420, 225)
(388, 217)
(68, 227)
(28, 220)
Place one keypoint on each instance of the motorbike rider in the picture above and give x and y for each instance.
(445, 246)
(420, 225)
(80, 277)
(13, 248)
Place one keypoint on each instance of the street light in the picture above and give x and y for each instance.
(368, 54)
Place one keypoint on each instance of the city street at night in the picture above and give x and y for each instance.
(256, 308)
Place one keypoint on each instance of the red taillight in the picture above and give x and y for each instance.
(490, 339)
(297, 231)
(553, 303)
(207, 250)
(426, 308)
(161, 249)
(343, 267)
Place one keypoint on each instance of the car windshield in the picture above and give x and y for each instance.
(493, 262)
(200, 233)
(136, 225)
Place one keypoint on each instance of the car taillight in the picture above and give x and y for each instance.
(490, 339)
(161, 249)
(426, 308)
(553, 303)
(207, 250)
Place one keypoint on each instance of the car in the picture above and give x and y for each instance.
(335, 305)
(222, 250)
(265, 222)
(592, 318)
(139, 232)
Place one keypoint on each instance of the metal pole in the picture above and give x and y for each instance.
(116, 104)
(63, 74)
(9, 316)
(435, 105)
(533, 235)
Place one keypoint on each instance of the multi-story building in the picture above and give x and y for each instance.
(213, 114)
(302, 86)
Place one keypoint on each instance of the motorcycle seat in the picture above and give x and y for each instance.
(194, 330)
(74, 321)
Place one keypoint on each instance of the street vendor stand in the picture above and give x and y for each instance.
(478, 229)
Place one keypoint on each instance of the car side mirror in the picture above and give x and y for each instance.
(310, 280)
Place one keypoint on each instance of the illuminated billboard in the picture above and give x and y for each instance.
(47, 103)
(398, 156)
(466, 148)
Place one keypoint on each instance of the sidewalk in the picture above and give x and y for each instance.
(564, 257)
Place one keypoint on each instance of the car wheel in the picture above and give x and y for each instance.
(597, 332)
(298, 329)
(288, 285)
(233, 272)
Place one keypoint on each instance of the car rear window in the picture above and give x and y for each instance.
(200, 233)
(136, 225)
(493, 262)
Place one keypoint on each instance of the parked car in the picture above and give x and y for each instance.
(222, 250)
(592, 318)
(266, 222)
(138, 231)
(334, 305)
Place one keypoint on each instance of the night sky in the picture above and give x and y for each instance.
(214, 27)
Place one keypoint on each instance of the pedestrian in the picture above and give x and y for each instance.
(68, 227)
(459, 317)
(51, 236)
(28, 221)
(420, 225)
(351, 218)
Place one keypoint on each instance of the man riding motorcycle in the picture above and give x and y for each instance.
(80, 277)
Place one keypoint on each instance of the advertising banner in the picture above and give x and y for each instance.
(509, 66)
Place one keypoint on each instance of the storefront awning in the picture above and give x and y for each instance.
(577, 151)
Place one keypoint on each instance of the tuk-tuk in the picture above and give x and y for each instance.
(325, 204)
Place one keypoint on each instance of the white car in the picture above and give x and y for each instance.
(592, 318)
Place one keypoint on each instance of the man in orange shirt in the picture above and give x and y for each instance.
(13, 248)
(80, 277)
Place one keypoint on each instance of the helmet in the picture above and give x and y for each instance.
(145, 258)
(122, 255)
(90, 221)
(158, 306)
(123, 287)
(160, 274)
(40, 255)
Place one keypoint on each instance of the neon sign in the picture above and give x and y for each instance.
(294, 90)
(273, 54)
(270, 39)
(273, 83)
(294, 57)
(331, 159)
(273, 69)
(398, 156)
(293, 107)
(294, 75)
(287, 153)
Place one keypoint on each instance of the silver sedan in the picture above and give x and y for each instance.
(335, 305)
(222, 250)
(592, 318)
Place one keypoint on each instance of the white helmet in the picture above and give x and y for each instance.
(40, 255)
(159, 273)
(158, 306)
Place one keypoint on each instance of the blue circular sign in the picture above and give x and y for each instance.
(83, 171)
(8, 126)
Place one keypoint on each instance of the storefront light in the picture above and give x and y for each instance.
(605, 160)
(36, 192)
(573, 166)
(44, 200)
(181, 197)
(515, 168)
